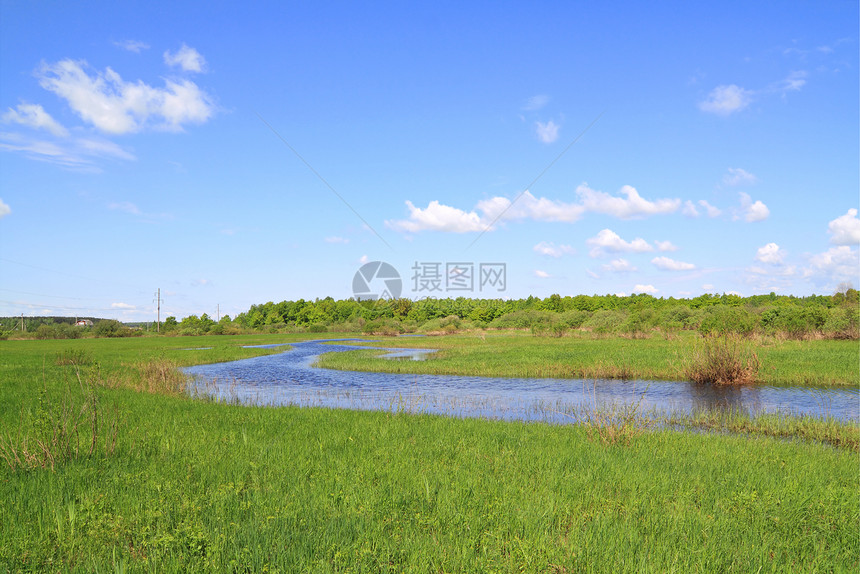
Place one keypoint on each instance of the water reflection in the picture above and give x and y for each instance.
(289, 378)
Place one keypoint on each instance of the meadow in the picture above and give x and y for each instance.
(126, 472)
(511, 353)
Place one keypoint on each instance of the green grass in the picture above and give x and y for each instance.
(197, 485)
(518, 354)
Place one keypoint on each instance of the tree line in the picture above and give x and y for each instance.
(835, 316)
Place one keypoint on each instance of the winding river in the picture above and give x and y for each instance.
(289, 378)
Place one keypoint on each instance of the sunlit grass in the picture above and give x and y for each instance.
(519, 354)
(197, 485)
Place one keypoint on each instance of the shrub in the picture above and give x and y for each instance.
(722, 360)
(728, 320)
(111, 328)
(604, 322)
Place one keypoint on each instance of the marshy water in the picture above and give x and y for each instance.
(289, 378)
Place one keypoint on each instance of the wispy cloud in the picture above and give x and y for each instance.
(547, 132)
(553, 250)
(126, 306)
(132, 45)
(726, 100)
(541, 274)
(77, 154)
(335, 239)
(115, 106)
(132, 209)
(4, 209)
(737, 176)
(665, 246)
(620, 265)
(188, 59)
(667, 264)
(34, 116)
(536, 102)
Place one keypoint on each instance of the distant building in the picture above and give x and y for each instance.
(84, 323)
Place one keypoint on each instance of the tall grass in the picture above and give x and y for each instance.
(511, 354)
(64, 426)
(724, 360)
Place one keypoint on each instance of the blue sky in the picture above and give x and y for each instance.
(232, 154)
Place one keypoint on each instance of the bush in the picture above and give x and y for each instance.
(387, 327)
(843, 323)
(723, 361)
(111, 328)
(604, 322)
(724, 321)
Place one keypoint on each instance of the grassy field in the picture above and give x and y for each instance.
(519, 354)
(162, 482)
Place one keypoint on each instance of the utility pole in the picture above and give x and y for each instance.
(158, 301)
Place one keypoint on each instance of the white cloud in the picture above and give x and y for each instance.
(547, 132)
(710, 209)
(553, 250)
(708, 287)
(186, 58)
(118, 107)
(335, 239)
(738, 176)
(691, 209)
(122, 306)
(726, 100)
(665, 246)
(536, 102)
(34, 116)
(4, 209)
(619, 266)
(201, 282)
(845, 229)
(645, 289)
(753, 211)
(363, 259)
(630, 207)
(132, 45)
(541, 274)
(836, 265)
(438, 217)
(609, 241)
(770, 253)
(667, 264)
(527, 206)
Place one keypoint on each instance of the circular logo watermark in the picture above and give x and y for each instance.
(376, 280)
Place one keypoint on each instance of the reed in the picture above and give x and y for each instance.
(725, 360)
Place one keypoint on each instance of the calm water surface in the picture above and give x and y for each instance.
(289, 379)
